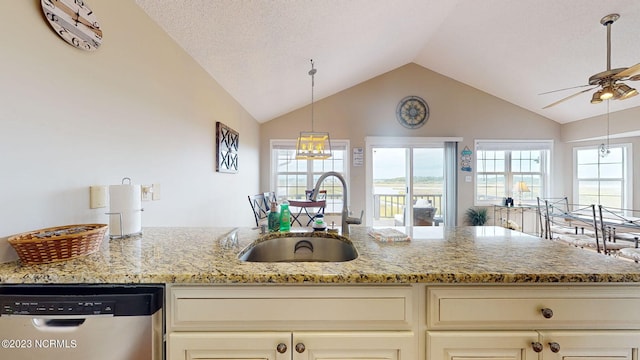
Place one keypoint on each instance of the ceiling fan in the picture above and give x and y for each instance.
(609, 82)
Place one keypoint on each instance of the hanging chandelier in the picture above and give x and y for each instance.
(313, 145)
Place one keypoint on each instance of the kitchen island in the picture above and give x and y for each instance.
(466, 292)
(434, 255)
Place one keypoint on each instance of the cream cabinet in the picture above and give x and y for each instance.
(291, 322)
(481, 345)
(533, 322)
(296, 345)
(589, 344)
(229, 345)
(404, 322)
(526, 345)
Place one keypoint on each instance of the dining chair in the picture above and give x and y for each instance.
(322, 195)
(308, 207)
(260, 207)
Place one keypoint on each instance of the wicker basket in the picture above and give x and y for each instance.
(58, 243)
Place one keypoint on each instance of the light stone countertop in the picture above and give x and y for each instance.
(434, 255)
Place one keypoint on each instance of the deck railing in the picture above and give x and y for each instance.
(386, 206)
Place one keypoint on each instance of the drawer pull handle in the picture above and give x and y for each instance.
(281, 348)
(555, 347)
(537, 347)
(547, 313)
(300, 348)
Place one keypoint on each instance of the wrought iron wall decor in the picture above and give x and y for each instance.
(227, 142)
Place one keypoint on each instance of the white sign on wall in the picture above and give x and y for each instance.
(358, 156)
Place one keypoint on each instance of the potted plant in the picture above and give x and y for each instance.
(476, 217)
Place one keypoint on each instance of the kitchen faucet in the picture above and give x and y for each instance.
(346, 220)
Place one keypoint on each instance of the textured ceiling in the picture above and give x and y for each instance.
(260, 50)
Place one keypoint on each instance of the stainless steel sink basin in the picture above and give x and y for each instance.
(316, 247)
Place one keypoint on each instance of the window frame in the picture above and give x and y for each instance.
(510, 146)
(311, 175)
(627, 176)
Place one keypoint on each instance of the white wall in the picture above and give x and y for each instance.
(622, 123)
(138, 107)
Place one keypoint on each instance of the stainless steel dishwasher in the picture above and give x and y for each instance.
(98, 322)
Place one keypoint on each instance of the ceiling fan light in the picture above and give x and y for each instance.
(631, 93)
(607, 93)
(624, 91)
(596, 99)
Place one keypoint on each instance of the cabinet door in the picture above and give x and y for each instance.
(379, 345)
(586, 345)
(481, 345)
(229, 346)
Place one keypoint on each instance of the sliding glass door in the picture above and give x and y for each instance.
(407, 185)
(390, 175)
(427, 187)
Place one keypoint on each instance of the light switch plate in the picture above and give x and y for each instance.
(146, 191)
(155, 195)
(97, 196)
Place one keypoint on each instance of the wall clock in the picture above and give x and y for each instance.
(412, 112)
(74, 21)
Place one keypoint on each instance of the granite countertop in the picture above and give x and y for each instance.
(434, 255)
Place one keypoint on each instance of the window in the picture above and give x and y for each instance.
(501, 165)
(290, 177)
(603, 180)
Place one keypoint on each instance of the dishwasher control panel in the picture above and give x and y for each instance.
(81, 300)
(57, 308)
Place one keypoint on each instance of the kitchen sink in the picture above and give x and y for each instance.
(300, 247)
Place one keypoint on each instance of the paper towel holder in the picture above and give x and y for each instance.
(122, 234)
(120, 222)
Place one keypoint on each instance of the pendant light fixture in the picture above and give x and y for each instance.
(313, 145)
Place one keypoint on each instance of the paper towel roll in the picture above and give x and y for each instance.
(126, 200)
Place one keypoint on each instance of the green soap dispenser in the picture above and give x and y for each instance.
(274, 218)
(285, 217)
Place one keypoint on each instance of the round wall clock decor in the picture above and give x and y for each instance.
(412, 112)
(74, 21)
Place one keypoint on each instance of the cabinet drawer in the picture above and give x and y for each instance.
(506, 307)
(290, 308)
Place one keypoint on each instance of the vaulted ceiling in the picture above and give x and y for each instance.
(260, 50)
